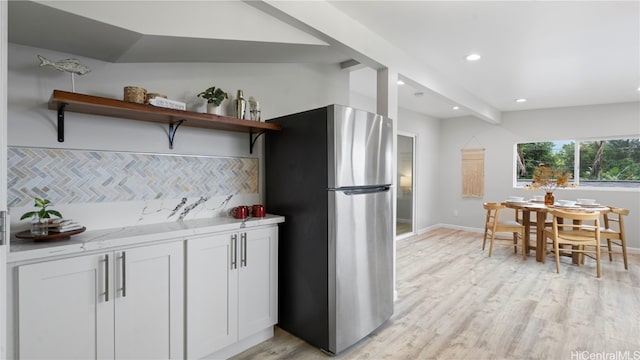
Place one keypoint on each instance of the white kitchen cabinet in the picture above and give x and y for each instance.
(121, 304)
(63, 308)
(149, 306)
(231, 288)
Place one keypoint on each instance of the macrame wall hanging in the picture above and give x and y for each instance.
(472, 172)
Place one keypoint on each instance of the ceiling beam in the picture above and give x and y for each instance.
(323, 20)
(351, 65)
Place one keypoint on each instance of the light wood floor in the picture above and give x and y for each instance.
(454, 302)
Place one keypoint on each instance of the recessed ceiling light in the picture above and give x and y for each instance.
(473, 57)
(400, 82)
(456, 108)
(521, 100)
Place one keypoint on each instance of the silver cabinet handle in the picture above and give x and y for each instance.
(243, 239)
(234, 251)
(4, 233)
(106, 277)
(124, 274)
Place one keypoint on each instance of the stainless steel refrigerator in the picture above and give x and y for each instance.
(329, 172)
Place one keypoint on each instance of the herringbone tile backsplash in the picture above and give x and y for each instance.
(84, 176)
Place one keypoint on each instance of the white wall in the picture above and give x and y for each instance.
(280, 88)
(287, 88)
(594, 121)
(359, 101)
(426, 129)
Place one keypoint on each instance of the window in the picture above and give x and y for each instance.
(593, 163)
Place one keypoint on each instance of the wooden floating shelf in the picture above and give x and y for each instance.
(94, 105)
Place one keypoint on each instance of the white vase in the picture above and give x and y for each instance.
(213, 109)
(217, 110)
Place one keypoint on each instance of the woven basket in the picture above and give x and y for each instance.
(135, 94)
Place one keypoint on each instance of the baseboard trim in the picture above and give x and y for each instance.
(243, 344)
(630, 250)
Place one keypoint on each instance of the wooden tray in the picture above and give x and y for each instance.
(52, 236)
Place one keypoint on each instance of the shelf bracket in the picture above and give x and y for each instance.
(172, 131)
(61, 122)
(252, 139)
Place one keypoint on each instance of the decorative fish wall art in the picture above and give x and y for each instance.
(72, 66)
(67, 65)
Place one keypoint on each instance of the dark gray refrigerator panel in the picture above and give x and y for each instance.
(335, 247)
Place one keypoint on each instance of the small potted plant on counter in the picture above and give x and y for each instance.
(214, 96)
(40, 218)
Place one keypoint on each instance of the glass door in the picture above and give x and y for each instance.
(405, 191)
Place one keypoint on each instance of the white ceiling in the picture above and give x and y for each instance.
(175, 32)
(554, 53)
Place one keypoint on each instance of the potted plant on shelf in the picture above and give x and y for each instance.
(214, 96)
(40, 218)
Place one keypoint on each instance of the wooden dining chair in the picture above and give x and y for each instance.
(613, 231)
(494, 226)
(580, 230)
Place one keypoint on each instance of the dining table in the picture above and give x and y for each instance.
(541, 210)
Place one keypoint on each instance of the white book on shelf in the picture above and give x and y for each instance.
(167, 103)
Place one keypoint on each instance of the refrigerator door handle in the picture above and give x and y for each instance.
(367, 190)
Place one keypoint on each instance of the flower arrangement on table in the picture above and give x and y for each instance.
(548, 179)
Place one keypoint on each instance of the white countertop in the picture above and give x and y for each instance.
(92, 240)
